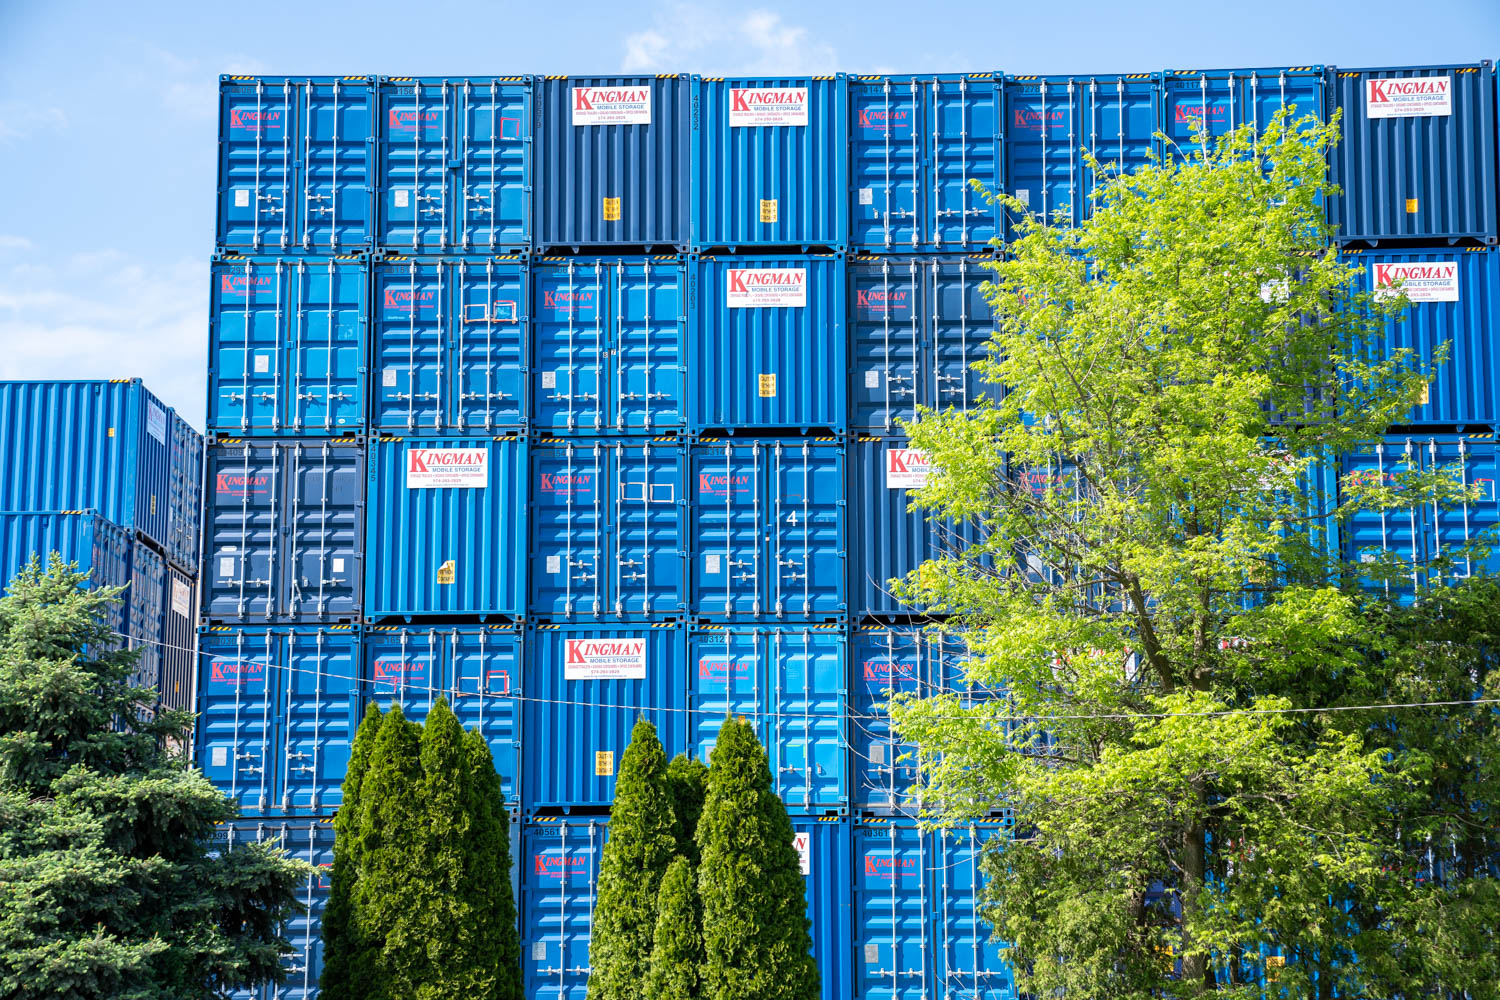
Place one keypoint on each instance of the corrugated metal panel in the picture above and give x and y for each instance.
(918, 326)
(1224, 99)
(477, 669)
(768, 344)
(284, 531)
(144, 619)
(277, 710)
(287, 342)
(1456, 298)
(179, 670)
(611, 344)
(450, 345)
(88, 446)
(559, 862)
(306, 840)
(1420, 171)
(455, 164)
(791, 683)
(447, 527)
(100, 548)
(587, 685)
(768, 529)
(1050, 121)
(969, 962)
(185, 493)
(915, 144)
(295, 158)
(604, 184)
(823, 843)
(609, 529)
(894, 956)
(1450, 526)
(771, 156)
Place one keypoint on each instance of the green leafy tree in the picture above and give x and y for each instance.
(642, 840)
(487, 882)
(1153, 551)
(755, 928)
(677, 947)
(687, 783)
(111, 883)
(343, 950)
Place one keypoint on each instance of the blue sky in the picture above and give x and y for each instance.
(107, 110)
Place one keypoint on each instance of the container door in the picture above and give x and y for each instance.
(326, 348)
(727, 674)
(805, 710)
(404, 669)
(489, 347)
(411, 345)
(559, 885)
(649, 529)
(727, 531)
(185, 469)
(806, 558)
(1124, 115)
(248, 302)
(311, 842)
(483, 684)
(244, 522)
(337, 179)
(961, 328)
(1452, 526)
(886, 164)
(823, 848)
(965, 147)
(321, 680)
(888, 343)
(414, 166)
(325, 514)
(571, 347)
(650, 327)
(887, 661)
(1042, 168)
(1394, 534)
(237, 716)
(146, 616)
(1213, 103)
(256, 162)
(568, 528)
(494, 143)
(969, 961)
(893, 950)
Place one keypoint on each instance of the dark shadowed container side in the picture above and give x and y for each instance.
(185, 493)
(144, 618)
(179, 672)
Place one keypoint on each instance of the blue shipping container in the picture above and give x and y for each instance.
(587, 685)
(455, 164)
(98, 546)
(768, 529)
(968, 961)
(277, 710)
(608, 529)
(447, 528)
(1051, 120)
(184, 493)
(105, 446)
(295, 157)
(894, 957)
(918, 324)
(287, 342)
(179, 671)
(284, 531)
(144, 614)
(771, 162)
(823, 846)
(791, 684)
(1417, 156)
(477, 669)
(767, 343)
(611, 344)
(559, 862)
(915, 145)
(450, 345)
(614, 157)
(1455, 299)
(1224, 99)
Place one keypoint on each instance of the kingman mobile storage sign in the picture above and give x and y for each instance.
(1412, 97)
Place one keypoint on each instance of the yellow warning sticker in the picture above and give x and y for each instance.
(447, 571)
(604, 763)
(768, 210)
(1426, 396)
(767, 386)
(1411, 206)
(611, 209)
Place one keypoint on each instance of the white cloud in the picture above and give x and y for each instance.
(723, 40)
(190, 86)
(21, 120)
(9, 242)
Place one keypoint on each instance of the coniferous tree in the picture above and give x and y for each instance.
(677, 950)
(687, 783)
(642, 840)
(442, 864)
(755, 926)
(488, 879)
(343, 949)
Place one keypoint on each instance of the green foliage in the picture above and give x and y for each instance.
(755, 927)
(108, 888)
(687, 783)
(343, 951)
(497, 949)
(642, 840)
(677, 947)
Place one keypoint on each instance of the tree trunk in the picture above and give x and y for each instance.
(1194, 967)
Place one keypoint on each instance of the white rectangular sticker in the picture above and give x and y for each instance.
(604, 659)
(220, 757)
(262, 363)
(1409, 97)
(757, 106)
(554, 564)
(403, 200)
(802, 842)
(181, 598)
(872, 379)
(156, 422)
(549, 380)
(226, 565)
(388, 378)
(766, 287)
(710, 562)
(905, 468)
(1434, 281)
(867, 196)
(241, 198)
(611, 105)
(446, 468)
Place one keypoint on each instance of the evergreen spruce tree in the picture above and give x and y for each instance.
(755, 926)
(487, 881)
(343, 950)
(677, 950)
(687, 783)
(642, 840)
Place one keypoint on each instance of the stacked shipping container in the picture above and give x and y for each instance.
(577, 400)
